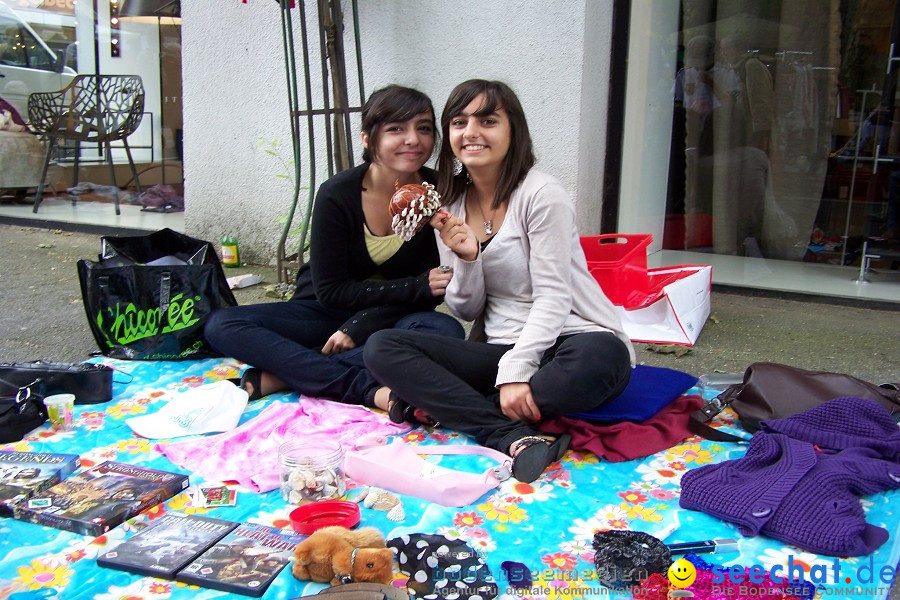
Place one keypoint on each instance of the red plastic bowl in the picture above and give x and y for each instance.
(313, 516)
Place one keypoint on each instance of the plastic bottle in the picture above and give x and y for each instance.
(716, 383)
(230, 255)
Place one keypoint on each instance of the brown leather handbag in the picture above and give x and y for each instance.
(364, 591)
(776, 391)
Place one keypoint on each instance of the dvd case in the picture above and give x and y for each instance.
(245, 561)
(94, 501)
(166, 545)
(23, 474)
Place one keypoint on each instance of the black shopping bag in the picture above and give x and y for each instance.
(149, 296)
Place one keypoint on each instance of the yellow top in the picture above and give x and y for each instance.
(381, 248)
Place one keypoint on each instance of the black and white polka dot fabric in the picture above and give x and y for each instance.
(442, 569)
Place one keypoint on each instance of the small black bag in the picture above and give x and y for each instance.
(149, 296)
(91, 384)
(22, 412)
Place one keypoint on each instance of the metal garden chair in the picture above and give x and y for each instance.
(95, 109)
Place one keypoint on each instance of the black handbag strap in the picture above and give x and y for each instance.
(32, 392)
(123, 372)
(700, 419)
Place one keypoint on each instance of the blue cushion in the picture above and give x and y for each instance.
(648, 391)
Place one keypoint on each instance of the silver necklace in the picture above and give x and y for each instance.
(487, 223)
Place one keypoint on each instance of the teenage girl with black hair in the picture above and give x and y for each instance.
(360, 277)
(554, 343)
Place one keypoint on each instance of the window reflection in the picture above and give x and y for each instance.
(784, 129)
(12, 44)
(44, 44)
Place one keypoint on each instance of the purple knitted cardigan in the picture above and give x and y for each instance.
(801, 478)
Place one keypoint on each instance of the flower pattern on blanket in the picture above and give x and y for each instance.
(548, 525)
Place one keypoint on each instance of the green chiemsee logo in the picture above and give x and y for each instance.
(133, 323)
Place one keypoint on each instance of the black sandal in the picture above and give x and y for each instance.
(397, 409)
(534, 454)
(253, 377)
(400, 411)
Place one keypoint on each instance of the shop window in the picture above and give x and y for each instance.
(44, 45)
(783, 128)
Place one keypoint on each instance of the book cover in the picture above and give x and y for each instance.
(245, 561)
(166, 545)
(23, 474)
(94, 501)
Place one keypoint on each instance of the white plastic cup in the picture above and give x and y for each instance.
(61, 410)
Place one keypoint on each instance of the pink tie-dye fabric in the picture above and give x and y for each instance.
(249, 453)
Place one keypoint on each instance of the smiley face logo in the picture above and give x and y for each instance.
(682, 573)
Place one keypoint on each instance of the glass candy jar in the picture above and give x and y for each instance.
(311, 471)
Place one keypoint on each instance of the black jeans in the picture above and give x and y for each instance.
(453, 380)
(285, 339)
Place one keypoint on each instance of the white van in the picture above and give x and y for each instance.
(27, 64)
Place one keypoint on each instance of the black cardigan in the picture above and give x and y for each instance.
(340, 273)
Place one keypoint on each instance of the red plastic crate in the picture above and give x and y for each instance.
(618, 261)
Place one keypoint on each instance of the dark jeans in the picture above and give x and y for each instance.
(285, 339)
(453, 380)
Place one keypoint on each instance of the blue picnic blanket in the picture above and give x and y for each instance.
(547, 525)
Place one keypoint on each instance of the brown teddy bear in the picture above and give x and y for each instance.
(340, 555)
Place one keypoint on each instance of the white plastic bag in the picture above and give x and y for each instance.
(677, 308)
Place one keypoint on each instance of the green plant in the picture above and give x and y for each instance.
(272, 148)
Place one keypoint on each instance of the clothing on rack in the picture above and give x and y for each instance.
(798, 114)
(758, 96)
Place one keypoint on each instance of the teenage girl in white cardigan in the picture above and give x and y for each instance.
(554, 344)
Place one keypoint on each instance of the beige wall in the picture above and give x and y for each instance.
(554, 53)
